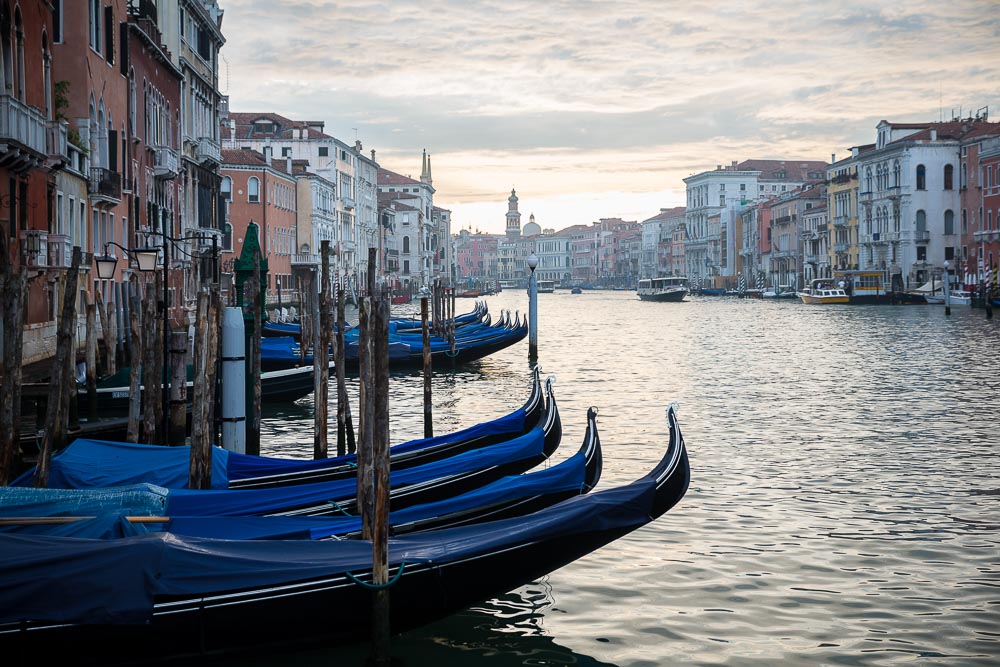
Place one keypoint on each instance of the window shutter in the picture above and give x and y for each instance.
(113, 150)
(109, 34)
(123, 47)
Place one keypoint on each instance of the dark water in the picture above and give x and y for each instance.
(845, 499)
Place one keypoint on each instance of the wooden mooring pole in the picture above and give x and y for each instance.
(55, 418)
(425, 330)
(200, 471)
(91, 358)
(178, 387)
(319, 318)
(380, 460)
(13, 291)
(135, 363)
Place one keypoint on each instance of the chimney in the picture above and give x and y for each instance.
(718, 167)
(267, 153)
(734, 165)
(357, 145)
(833, 158)
(933, 135)
(288, 164)
(373, 155)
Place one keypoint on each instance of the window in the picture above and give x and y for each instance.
(406, 266)
(109, 35)
(95, 19)
(949, 222)
(253, 190)
(949, 174)
(921, 177)
(406, 244)
(324, 151)
(286, 151)
(921, 223)
(226, 188)
(57, 23)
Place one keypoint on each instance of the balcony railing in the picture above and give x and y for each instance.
(921, 237)
(56, 141)
(166, 164)
(840, 221)
(305, 259)
(22, 124)
(209, 150)
(34, 248)
(348, 203)
(143, 9)
(60, 251)
(105, 185)
(841, 247)
(782, 254)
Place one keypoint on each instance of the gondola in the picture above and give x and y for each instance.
(277, 385)
(67, 512)
(163, 596)
(95, 463)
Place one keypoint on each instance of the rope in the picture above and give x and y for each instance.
(448, 353)
(337, 507)
(376, 587)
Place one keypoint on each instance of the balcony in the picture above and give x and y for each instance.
(893, 191)
(816, 259)
(57, 143)
(841, 247)
(782, 254)
(34, 248)
(865, 196)
(60, 251)
(23, 131)
(209, 150)
(305, 259)
(840, 221)
(987, 236)
(348, 203)
(104, 186)
(166, 164)
(921, 237)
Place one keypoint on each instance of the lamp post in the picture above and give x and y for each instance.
(146, 258)
(532, 309)
(947, 290)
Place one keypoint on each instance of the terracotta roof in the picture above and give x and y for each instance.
(245, 128)
(386, 177)
(953, 129)
(794, 170)
(666, 214)
(251, 158)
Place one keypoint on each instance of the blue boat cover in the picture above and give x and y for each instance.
(135, 499)
(87, 463)
(118, 581)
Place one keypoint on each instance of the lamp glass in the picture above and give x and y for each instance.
(106, 267)
(532, 261)
(146, 258)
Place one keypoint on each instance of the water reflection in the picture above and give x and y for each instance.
(844, 495)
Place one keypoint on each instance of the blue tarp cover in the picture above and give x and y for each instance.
(61, 579)
(87, 463)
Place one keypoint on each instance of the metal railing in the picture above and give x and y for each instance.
(56, 139)
(60, 251)
(105, 183)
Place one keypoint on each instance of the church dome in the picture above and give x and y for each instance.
(532, 228)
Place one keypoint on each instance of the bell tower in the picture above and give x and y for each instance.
(513, 217)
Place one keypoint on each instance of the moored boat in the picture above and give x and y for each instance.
(822, 291)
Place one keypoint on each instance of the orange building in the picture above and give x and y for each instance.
(261, 189)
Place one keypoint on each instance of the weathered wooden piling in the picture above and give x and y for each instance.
(200, 471)
(321, 367)
(135, 363)
(152, 370)
(108, 333)
(425, 330)
(91, 357)
(366, 498)
(380, 460)
(13, 288)
(253, 419)
(178, 387)
(55, 418)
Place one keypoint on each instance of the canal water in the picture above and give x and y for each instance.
(844, 507)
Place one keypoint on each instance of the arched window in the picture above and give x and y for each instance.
(895, 174)
(226, 188)
(47, 75)
(895, 219)
(19, 45)
(965, 221)
(406, 244)
(949, 222)
(921, 177)
(921, 223)
(868, 179)
(227, 238)
(6, 50)
(949, 175)
(253, 190)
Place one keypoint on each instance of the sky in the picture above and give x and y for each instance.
(600, 109)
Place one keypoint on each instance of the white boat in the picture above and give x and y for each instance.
(662, 289)
(546, 286)
(781, 292)
(960, 297)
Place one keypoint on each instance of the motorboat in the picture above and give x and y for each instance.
(823, 291)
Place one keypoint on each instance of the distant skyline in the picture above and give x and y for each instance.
(595, 110)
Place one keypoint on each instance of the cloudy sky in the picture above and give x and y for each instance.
(600, 109)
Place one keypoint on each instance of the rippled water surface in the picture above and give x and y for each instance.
(844, 507)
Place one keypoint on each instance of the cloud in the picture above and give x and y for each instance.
(580, 99)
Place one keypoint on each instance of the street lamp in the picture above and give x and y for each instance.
(532, 308)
